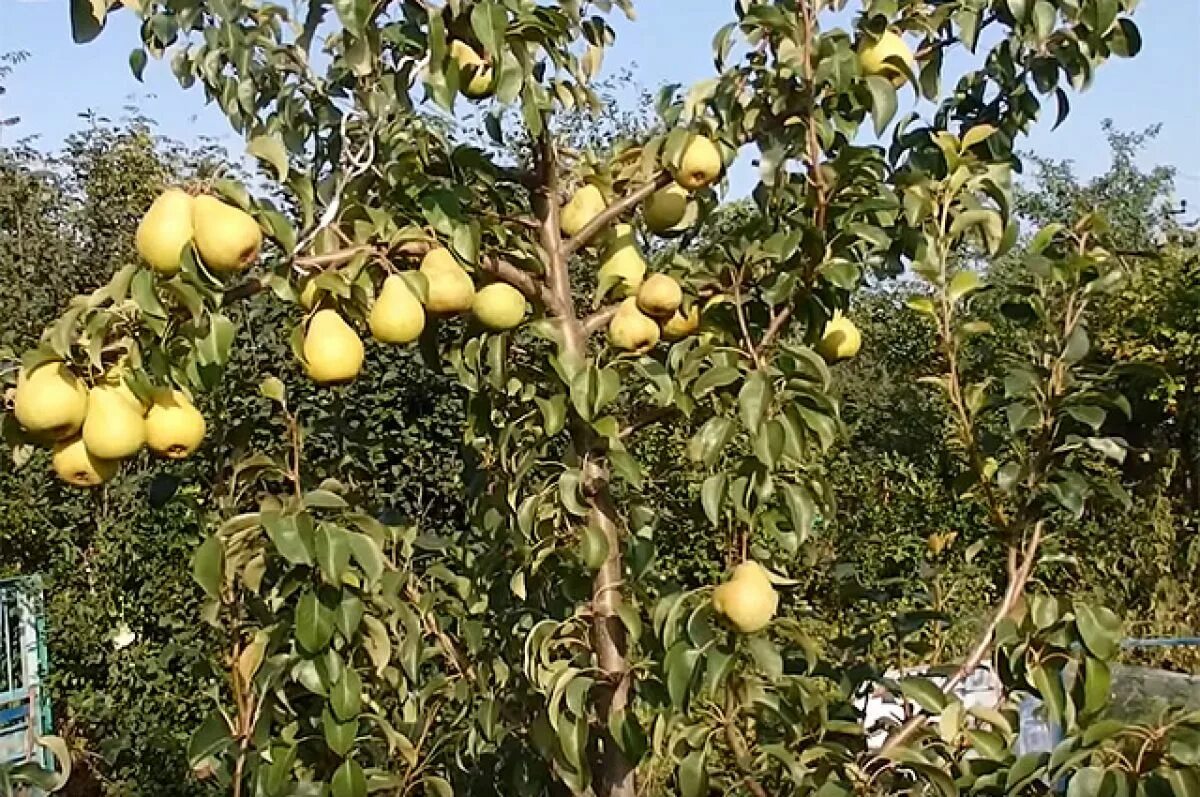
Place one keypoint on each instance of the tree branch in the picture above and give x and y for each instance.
(520, 279)
(599, 319)
(615, 211)
(648, 418)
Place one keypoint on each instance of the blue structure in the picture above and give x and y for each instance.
(24, 704)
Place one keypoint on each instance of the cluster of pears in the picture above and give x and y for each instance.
(226, 238)
(747, 600)
(333, 351)
(92, 430)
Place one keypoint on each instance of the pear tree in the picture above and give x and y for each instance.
(537, 651)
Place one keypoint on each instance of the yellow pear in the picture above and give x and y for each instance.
(700, 165)
(474, 73)
(227, 238)
(75, 465)
(679, 326)
(450, 287)
(333, 352)
(115, 379)
(114, 427)
(165, 231)
(587, 203)
(174, 427)
(50, 401)
(623, 265)
(873, 57)
(397, 315)
(665, 208)
(659, 296)
(840, 340)
(631, 330)
(747, 600)
(499, 306)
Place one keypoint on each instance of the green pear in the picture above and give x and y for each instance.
(50, 401)
(659, 296)
(631, 330)
(474, 73)
(75, 465)
(623, 265)
(165, 231)
(841, 340)
(679, 326)
(587, 203)
(499, 306)
(876, 57)
(397, 315)
(333, 352)
(665, 208)
(747, 600)
(114, 427)
(174, 427)
(450, 287)
(227, 238)
(700, 164)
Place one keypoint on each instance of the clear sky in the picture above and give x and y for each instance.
(670, 42)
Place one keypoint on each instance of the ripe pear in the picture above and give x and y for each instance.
(114, 427)
(165, 230)
(50, 401)
(679, 326)
(840, 340)
(450, 287)
(227, 238)
(585, 205)
(700, 165)
(873, 57)
(75, 465)
(631, 330)
(333, 352)
(474, 73)
(747, 600)
(659, 296)
(174, 427)
(499, 306)
(623, 264)
(397, 315)
(665, 208)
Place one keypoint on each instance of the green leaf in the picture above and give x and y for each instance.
(680, 666)
(718, 376)
(883, 101)
(349, 780)
(962, 284)
(489, 23)
(271, 149)
(1023, 770)
(1077, 345)
(711, 494)
(1086, 782)
(208, 566)
(1100, 630)
(314, 622)
(766, 655)
(324, 499)
(368, 554)
(353, 15)
(713, 436)
(693, 774)
(925, 693)
(754, 400)
(346, 696)
(977, 134)
(288, 538)
(593, 547)
(209, 739)
(87, 19)
(333, 552)
(339, 736)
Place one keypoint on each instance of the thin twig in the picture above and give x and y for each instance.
(599, 319)
(614, 212)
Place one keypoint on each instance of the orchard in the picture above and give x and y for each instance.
(538, 651)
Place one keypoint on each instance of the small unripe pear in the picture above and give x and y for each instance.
(747, 600)
(174, 427)
(665, 208)
(450, 286)
(333, 352)
(700, 165)
(397, 315)
(75, 465)
(874, 57)
(165, 231)
(631, 330)
(659, 296)
(227, 238)
(680, 326)
(841, 339)
(499, 306)
(587, 203)
(50, 401)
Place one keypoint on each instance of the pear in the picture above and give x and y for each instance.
(227, 238)
(873, 57)
(474, 73)
(841, 340)
(499, 306)
(114, 427)
(397, 315)
(631, 330)
(450, 287)
(747, 600)
(174, 427)
(679, 326)
(659, 296)
(115, 379)
(50, 401)
(623, 265)
(585, 205)
(700, 164)
(333, 352)
(75, 465)
(665, 208)
(165, 231)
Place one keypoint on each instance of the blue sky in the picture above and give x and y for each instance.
(670, 42)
